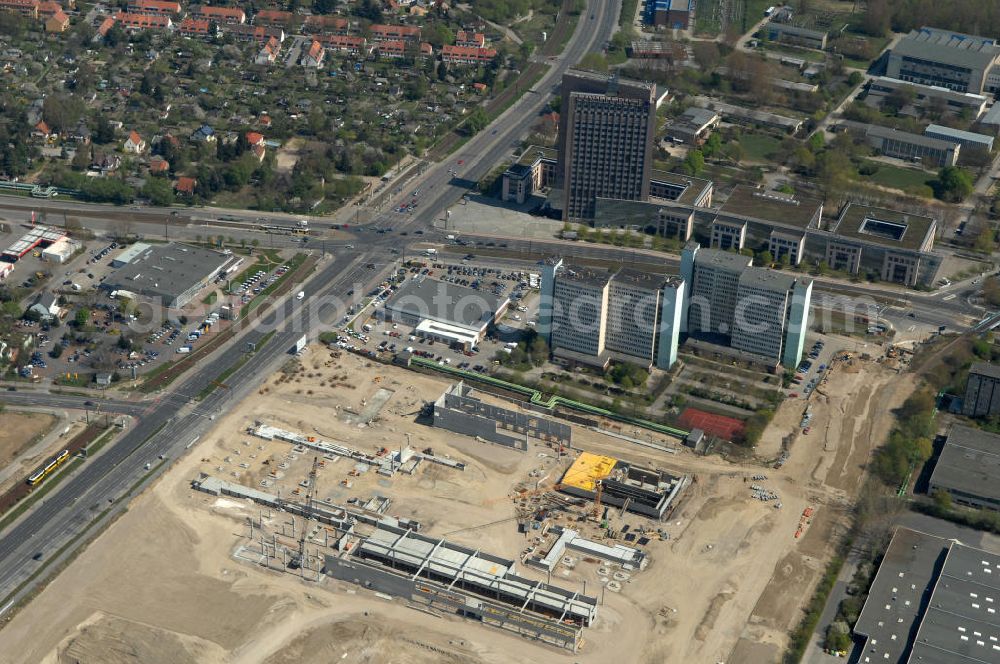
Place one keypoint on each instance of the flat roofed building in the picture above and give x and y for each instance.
(947, 59)
(932, 602)
(606, 133)
(969, 468)
(445, 311)
(982, 390)
(799, 35)
(749, 202)
(969, 140)
(592, 316)
(914, 147)
(881, 86)
(694, 125)
(173, 272)
(756, 310)
(905, 240)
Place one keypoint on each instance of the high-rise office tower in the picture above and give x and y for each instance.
(606, 133)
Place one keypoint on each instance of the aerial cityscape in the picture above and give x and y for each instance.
(501, 331)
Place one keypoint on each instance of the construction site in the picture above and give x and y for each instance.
(333, 516)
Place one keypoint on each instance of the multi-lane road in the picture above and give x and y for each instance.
(172, 422)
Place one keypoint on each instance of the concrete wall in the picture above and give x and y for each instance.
(455, 410)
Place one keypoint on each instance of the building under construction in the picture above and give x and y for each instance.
(616, 483)
(459, 411)
(454, 579)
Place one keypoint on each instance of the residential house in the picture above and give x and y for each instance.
(226, 15)
(273, 18)
(203, 134)
(349, 44)
(195, 27)
(105, 163)
(257, 33)
(58, 22)
(158, 166)
(42, 130)
(264, 120)
(255, 138)
(185, 186)
(135, 143)
(384, 33)
(313, 57)
(331, 25)
(426, 50)
(161, 7)
(28, 8)
(268, 55)
(81, 134)
(467, 55)
(102, 29)
(143, 21)
(259, 151)
(391, 49)
(469, 38)
(47, 306)
(418, 11)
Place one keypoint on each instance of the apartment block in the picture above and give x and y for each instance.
(606, 134)
(592, 316)
(754, 310)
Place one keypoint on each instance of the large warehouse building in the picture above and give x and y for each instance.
(933, 601)
(969, 468)
(174, 273)
(444, 312)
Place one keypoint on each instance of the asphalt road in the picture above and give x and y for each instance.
(173, 422)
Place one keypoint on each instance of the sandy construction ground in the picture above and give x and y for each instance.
(19, 430)
(162, 584)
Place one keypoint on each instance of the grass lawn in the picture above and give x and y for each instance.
(759, 147)
(910, 180)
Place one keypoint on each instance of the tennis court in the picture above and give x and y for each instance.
(721, 426)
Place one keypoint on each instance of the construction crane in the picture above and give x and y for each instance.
(298, 560)
(598, 490)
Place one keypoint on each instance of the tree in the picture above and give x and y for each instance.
(62, 111)
(159, 191)
(82, 316)
(694, 163)
(953, 184)
(477, 121)
(942, 500)
(594, 62)
(713, 145)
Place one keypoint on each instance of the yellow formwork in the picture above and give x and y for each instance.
(587, 470)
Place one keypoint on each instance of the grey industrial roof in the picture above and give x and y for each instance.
(992, 116)
(680, 5)
(746, 201)
(849, 225)
(891, 613)
(987, 369)
(969, 462)
(952, 48)
(916, 614)
(946, 133)
(961, 623)
(879, 131)
(167, 270)
(929, 90)
(437, 300)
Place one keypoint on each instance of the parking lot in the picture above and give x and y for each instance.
(361, 331)
(811, 370)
